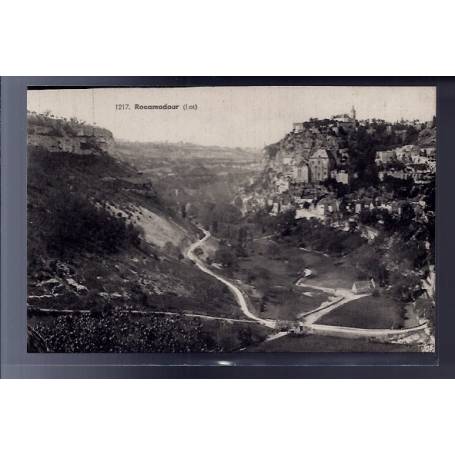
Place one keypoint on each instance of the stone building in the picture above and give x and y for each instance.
(298, 127)
(320, 164)
(384, 156)
(301, 173)
(363, 287)
(346, 121)
(341, 176)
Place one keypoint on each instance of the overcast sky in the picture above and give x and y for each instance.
(229, 116)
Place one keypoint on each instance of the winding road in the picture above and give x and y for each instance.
(354, 332)
(307, 320)
(238, 295)
(306, 323)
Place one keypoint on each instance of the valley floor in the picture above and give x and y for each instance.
(368, 321)
(310, 315)
(323, 343)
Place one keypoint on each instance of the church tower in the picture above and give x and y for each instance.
(353, 113)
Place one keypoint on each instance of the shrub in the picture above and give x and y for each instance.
(225, 257)
(79, 226)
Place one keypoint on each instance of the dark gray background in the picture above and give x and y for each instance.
(16, 362)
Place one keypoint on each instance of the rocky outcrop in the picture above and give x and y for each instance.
(297, 147)
(67, 136)
(427, 137)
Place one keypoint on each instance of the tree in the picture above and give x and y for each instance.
(215, 226)
(238, 202)
(273, 250)
(407, 214)
(285, 222)
(366, 260)
(225, 257)
(405, 288)
(79, 226)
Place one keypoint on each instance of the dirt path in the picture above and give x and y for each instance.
(354, 332)
(142, 313)
(340, 296)
(238, 295)
(314, 252)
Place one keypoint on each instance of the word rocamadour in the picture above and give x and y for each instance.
(156, 106)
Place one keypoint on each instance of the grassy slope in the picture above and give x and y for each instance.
(317, 343)
(168, 282)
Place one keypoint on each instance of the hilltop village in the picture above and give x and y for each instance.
(342, 170)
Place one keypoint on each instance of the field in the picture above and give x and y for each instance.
(329, 272)
(381, 312)
(318, 343)
(270, 271)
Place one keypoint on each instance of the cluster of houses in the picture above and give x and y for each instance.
(355, 205)
(323, 164)
(315, 201)
(407, 162)
(311, 154)
(312, 157)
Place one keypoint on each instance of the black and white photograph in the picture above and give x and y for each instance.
(227, 227)
(231, 219)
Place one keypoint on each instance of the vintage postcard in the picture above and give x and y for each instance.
(232, 219)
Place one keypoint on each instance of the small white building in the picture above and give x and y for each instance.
(341, 176)
(307, 272)
(384, 156)
(363, 287)
(282, 185)
(298, 127)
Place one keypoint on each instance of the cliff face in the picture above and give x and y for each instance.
(79, 159)
(297, 147)
(60, 135)
(427, 137)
